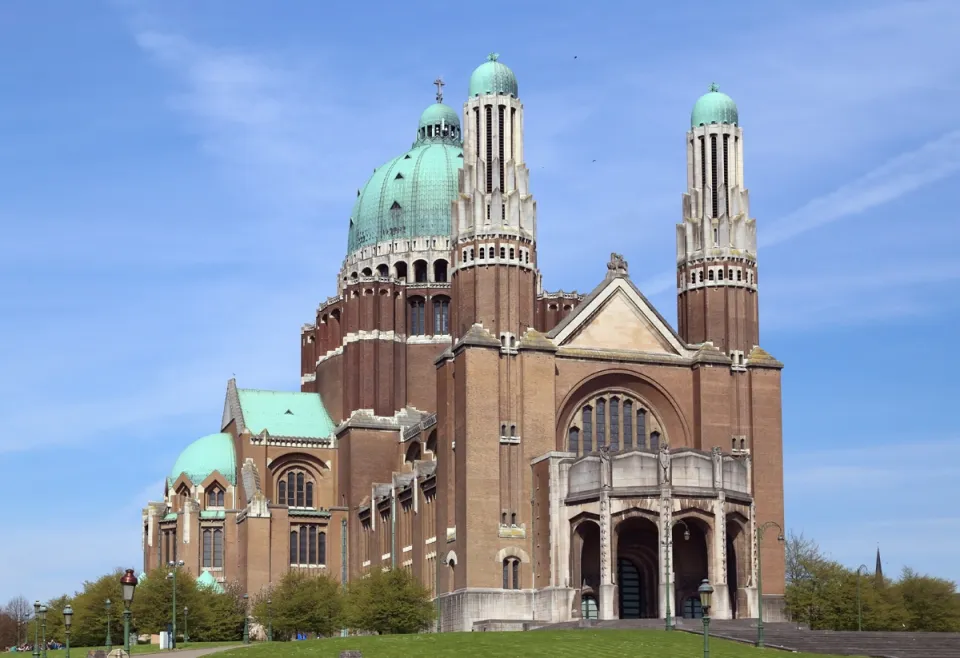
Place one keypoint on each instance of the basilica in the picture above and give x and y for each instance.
(532, 457)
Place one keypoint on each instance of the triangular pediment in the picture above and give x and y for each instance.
(617, 317)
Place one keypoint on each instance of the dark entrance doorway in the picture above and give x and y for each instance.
(632, 601)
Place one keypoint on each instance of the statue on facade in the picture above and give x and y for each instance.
(664, 458)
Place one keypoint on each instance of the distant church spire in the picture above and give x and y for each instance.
(878, 570)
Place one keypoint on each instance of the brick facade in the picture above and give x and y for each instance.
(528, 455)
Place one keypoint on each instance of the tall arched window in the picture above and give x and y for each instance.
(212, 548)
(654, 440)
(215, 497)
(511, 573)
(614, 419)
(296, 488)
(418, 325)
(628, 424)
(441, 316)
(587, 429)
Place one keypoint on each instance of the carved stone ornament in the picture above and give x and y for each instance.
(617, 264)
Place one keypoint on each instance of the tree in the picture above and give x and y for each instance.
(929, 604)
(389, 602)
(90, 616)
(20, 611)
(803, 557)
(8, 631)
(301, 603)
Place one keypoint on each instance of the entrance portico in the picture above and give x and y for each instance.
(644, 529)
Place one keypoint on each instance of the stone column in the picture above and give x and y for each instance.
(718, 569)
(606, 560)
(666, 555)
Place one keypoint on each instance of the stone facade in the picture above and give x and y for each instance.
(530, 456)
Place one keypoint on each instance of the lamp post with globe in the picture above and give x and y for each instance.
(668, 550)
(67, 622)
(109, 641)
(43, 630)
(128, 583)
(760, 530)
(706, 599)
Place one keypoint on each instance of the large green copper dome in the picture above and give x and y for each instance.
(714, 107)
(492, 77)
(207, 454)
(412, 194)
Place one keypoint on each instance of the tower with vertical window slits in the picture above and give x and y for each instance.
(495, 275)
(717, 240)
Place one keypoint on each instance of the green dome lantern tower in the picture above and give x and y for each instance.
(495, 217)
(717, 240)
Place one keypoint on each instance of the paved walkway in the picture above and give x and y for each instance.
(196, 653)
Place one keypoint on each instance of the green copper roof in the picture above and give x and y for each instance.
(212, 514)
(714, 107)
(204, 456)
(295, 415)
(492, 77)
(207, 581)
(412, 194)
(438, 113)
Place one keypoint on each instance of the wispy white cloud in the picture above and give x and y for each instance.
(933, 162)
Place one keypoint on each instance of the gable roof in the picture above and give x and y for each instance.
(618, 289)
(207, 581)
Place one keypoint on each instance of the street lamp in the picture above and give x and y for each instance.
(128, 583)
(668, 551)
(36, 629)
(173, 575)
(760, 530)
(43, 626)
(67, 621)
(109, 642)
(269, 620)
(246, 620)
(186, 636)
(706, 598)
(862, 569)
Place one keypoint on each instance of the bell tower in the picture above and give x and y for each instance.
(495, 277)
(717, 240)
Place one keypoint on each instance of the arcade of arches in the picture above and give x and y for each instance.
(638, 566)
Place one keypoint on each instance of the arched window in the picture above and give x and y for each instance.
(587, 430)
(628, 424)
(420, 271)
(215, 497)
(383, 270)
(601, 423)
(614, 419)
(296, 488)
(440, 271)
(641, 428)
(441, 316)
(401, 269)
(511, 573)
(212, 548)
(654, 441)
(588, 607)
(417, 319)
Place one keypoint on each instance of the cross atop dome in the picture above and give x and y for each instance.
(440, 84)
(714, 87)
(493, 57)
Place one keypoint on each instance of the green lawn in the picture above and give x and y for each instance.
(81, 652)
(555, 644)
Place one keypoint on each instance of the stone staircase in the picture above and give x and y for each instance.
(793, 637)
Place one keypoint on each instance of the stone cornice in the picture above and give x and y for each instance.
(477, 336)
(534, 341)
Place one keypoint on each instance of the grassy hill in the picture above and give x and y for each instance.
(554, 644)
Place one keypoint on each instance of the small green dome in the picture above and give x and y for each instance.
(438, 113)
(412, 194)
(714, 107)
(214, 452)
(492, 77)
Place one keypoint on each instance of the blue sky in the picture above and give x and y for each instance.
(176, 178)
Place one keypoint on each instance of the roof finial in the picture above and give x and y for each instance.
(439, 82)
(714, 87)
(493, 57)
